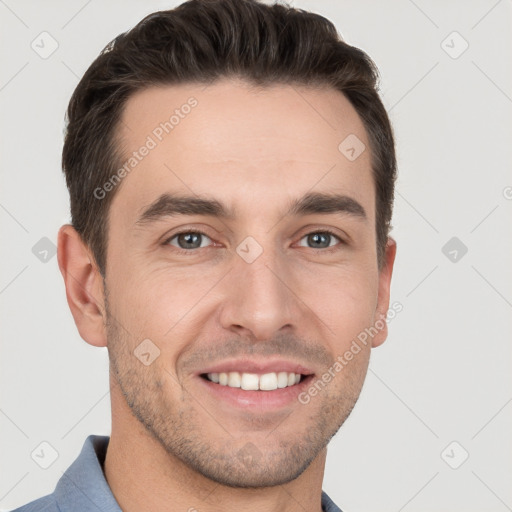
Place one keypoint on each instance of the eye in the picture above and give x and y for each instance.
(321, 239)
(187, 240)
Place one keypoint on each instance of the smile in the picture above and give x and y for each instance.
(253, 381)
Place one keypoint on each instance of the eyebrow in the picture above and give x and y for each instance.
(173, 205)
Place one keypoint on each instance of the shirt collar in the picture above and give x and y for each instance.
(83, 486)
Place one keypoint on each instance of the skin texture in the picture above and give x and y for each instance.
(172, 443)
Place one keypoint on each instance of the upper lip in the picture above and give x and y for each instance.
(262, 366)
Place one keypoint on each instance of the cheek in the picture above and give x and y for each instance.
(345, 301)
(160, 305)
(136, 305)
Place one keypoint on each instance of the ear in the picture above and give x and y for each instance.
(84, 286)
(384, 288)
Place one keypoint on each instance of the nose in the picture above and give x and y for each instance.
(259, 298)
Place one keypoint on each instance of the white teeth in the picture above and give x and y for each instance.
(282, 379)
(253, 381)
(214, 377)
(250, 381)
(268, 382)
(234, 380)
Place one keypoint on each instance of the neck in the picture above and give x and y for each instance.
(144, 476)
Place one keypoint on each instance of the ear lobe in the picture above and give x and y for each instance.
(384, 289)
(84, 286)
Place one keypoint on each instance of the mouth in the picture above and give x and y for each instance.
(254, 381)
(260, 386)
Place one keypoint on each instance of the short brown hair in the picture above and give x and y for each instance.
(201, 41)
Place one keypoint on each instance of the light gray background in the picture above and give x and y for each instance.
(443, 375)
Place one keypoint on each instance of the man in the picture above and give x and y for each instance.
(231, 171)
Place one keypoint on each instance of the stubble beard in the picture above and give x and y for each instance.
(206, 443)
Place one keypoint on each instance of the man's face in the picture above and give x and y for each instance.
(260, 292)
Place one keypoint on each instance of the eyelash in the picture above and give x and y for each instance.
(190, 252)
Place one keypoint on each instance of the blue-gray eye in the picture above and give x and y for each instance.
(320, 239)
(188, 240)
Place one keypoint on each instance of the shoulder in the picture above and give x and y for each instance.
(44, 504)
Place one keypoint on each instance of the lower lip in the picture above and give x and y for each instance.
(258, 400)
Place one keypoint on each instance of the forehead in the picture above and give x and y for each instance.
(241, 144)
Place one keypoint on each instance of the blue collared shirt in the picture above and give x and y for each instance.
(83, 486)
